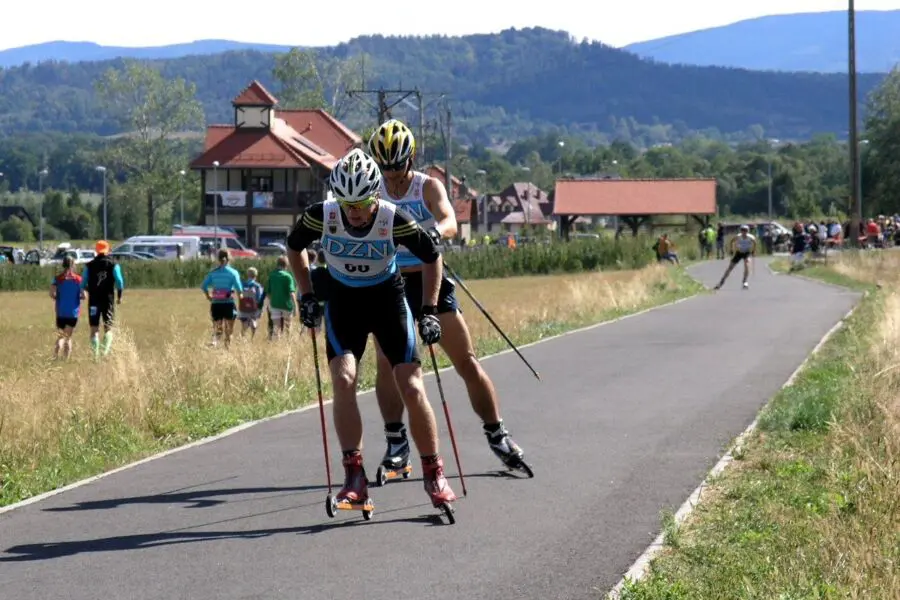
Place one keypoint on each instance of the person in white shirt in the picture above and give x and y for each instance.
(743, 247)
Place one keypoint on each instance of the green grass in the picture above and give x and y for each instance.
(776, 524)
(821, 272)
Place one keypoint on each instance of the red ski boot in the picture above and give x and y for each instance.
(437, 486)
(355, 494)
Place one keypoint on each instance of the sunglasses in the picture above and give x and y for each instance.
(358, 204)
(394, 168)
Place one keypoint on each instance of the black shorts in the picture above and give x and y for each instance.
(222, 311)
(447, 302)
(105, 311)
(63, 322)
(739, 256)
(351, 314)
(321, 279)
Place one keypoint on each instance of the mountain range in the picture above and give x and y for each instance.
(798, 42)
(501, 87)
(810, 42)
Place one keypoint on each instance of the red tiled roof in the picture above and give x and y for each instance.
(320, 127)
(255, 95)
(250, 148)
(463, 210)
(634, 197)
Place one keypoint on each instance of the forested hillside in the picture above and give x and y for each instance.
(502, 86)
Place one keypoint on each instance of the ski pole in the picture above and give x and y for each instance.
(489, 318)
(312, 334)
(437, 377)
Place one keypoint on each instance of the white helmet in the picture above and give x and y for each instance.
(355, 177)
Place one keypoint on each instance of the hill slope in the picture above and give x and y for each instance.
(502, 86)
(798, 42)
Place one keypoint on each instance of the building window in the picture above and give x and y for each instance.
(261, 183)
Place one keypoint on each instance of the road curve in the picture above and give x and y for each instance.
(627, 421)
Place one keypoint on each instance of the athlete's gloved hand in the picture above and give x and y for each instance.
(310, 311)
(429, 326)
(435, 235)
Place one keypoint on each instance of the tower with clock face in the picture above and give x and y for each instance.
(254, 108)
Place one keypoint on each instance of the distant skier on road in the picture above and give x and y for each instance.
(743, 247)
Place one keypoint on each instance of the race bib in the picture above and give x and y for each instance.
(221, 294)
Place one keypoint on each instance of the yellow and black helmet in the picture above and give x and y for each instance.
(392, 144)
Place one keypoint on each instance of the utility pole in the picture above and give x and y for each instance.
(855, 203)
(449, 143)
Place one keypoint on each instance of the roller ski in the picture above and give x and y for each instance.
(395, 463)
(509, 453)
(354, 495)
(438, 487)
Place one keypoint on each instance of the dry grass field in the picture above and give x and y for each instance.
(162, 385)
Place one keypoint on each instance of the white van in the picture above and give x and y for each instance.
(163, 247)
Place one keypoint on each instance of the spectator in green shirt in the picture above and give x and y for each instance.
(280, 291)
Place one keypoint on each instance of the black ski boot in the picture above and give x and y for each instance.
(396, 458)
(507, 450)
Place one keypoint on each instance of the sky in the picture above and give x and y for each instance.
(162, 22)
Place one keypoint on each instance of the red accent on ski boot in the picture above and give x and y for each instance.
(436, 484)
(355, 490)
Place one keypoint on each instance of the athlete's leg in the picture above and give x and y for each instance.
(60, 338)
(67, 341)
(228, 324)
(347, 420)
(727, 273)
(746, 269)
(457, 344)
(345, 342)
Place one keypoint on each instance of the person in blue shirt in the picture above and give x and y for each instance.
(67, 294)
(102, 280)
(250, 306)
(219, 286)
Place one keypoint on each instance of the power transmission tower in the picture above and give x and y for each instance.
(382, 106)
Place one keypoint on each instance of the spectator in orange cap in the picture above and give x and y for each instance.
(102, 278)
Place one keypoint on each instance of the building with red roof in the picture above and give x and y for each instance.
(272, 163)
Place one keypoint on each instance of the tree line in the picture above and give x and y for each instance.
(145, 185)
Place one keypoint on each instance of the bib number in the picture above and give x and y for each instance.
(351, 268)
(221, 294)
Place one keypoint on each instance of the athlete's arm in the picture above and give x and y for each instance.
(207, 281)
(307, 230)
(437, 202)
(408, 233)
(84, 278)
(53, 289)
(120, 282)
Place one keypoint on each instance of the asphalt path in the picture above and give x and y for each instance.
(628, 419)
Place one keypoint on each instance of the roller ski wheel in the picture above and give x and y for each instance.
(385, 474)
(447, 509)
(523, 467)
(332, 505)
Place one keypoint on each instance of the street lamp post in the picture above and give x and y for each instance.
(102, 170)
(41, 174)
(181, 195)
(216, 203)
(562, 145)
